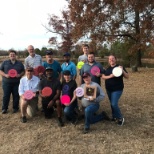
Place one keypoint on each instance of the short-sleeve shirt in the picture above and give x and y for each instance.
(69, 66)
(55, 66)
(7, 65)
(33, 61)
(115, 83)
(54, 85)
(83, 58)
(87, 68)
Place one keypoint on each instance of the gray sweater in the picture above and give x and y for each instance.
(99, 95)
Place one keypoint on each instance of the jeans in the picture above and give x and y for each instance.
(69, 111)
(90, 118)
(8, 89)
(114, 97)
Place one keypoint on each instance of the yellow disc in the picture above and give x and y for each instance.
(80, 64)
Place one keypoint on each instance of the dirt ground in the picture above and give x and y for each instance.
(41, 136)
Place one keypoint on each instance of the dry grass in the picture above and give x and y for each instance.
(43, 136)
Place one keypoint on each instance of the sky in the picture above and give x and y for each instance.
(21, 22)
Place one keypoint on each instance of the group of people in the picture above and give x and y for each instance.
(62, 81)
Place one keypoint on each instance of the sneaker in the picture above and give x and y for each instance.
(74, 122)
(105, 116)
(23, 119)
(86, 130)
(114, 119)
(15, 111)
(60, 122)
(121, 121)
(4, 111)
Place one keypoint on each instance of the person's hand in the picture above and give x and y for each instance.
(91, 98)
(50, 104)
(111, 76)
(66, 104)
(98, 74)
(7, 76)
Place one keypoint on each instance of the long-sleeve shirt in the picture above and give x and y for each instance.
(26, 84)
(99, 95)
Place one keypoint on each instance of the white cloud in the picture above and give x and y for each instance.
(21, 22)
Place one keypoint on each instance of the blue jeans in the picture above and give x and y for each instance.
(8, 89)
(69, 111)
(114, 97)
(90, 118)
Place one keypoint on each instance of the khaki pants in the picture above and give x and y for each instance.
(30, 106)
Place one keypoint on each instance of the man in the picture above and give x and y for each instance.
(69, 65)
(49, 102)
(90, 103)
(85, 49)
(50, 62)
(87, 68)
(33, 60)
(28, 82)
(10, 84)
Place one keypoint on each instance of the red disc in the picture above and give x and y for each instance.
(28, 94)
(94, 70)
(65, 99)
(12, 73)
(46, 91)
(39, 69)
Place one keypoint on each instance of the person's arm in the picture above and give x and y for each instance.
(74, 71)
(101, 95)
(3, 74)
(80, 75)
(124, 72)
(107, 76)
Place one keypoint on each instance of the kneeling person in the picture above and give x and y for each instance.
(49, 102)
(28, 82)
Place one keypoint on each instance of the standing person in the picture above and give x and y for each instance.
(84, 57)
(50, 62)
(68, 87)
(9, 84)
(69, 65)
(91, 104)
(114, 88)
(28, 82)
(49, 102)
(33, 60)
(87, 68)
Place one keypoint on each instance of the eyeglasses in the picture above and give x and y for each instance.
(29, 70)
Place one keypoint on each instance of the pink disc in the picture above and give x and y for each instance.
(28, 94)
(79, 92)
(46, 91)
(94, 70)
(65, 99)
(12, 73)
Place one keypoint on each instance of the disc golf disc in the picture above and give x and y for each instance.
(79, 92)
(80, 64)
(39, 69)
(65, 99)
(46, 91)
(28, 94)
(94, 70)
(12, 73)
(117, 71)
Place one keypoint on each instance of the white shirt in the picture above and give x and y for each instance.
(26, 84)
(33, 61)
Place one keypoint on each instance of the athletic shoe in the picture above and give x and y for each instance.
(121, 121)
(105, 116)
(60, 122)
(114, 119)
(86, 130)
(23, 119)
(4, 111)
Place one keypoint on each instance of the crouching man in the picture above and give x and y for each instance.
(29, 101)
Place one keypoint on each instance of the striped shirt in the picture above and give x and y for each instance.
(33, 61)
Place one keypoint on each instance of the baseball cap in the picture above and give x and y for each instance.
(49, 68)
(86, 74)
(66, 72)
(49, 52)
(66, 54)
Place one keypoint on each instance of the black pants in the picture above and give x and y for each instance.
(47, 111)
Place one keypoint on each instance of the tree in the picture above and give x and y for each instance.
(61, 27)
(107, 20)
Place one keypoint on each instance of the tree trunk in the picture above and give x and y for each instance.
(138, 58)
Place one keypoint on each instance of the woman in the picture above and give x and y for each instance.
(114, 88)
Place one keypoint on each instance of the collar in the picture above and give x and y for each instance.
(30, 79)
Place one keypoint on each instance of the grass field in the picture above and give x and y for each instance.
(41, 136)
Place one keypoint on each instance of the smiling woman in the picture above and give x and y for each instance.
(26, 18)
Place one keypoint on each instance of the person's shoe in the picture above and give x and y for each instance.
(75, 121)
(4, 111)
(114, 119)
(15, 110)
(86, 130)
(23, 119)
(105, 116)
(121, 121)
(60, 122)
